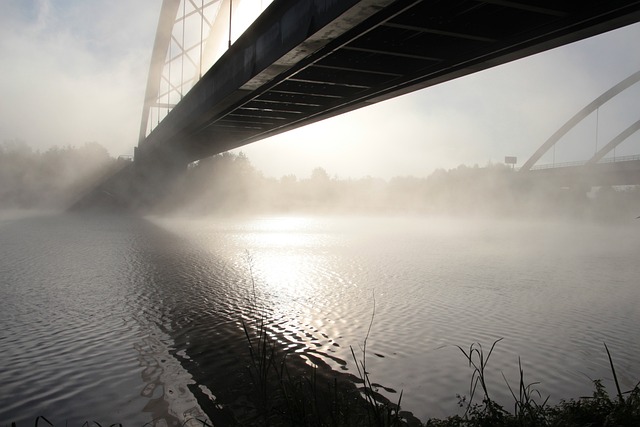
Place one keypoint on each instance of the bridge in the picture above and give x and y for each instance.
(623, 170)
(307, 60)
(598, 170)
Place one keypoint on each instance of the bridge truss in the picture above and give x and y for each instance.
(191, 36)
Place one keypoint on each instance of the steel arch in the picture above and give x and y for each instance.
(581, 115)
(614, 143)
(168, 14)
(216, 33)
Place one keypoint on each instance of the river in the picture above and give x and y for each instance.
(126, 319)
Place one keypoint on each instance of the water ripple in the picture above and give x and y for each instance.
(100, 313)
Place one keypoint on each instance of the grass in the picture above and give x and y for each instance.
(309, 399)
(531, 410)
(43, 421)
(280, 398)
(306, 399)
(302, 401)
(379, 412)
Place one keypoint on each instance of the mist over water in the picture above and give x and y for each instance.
(138, 319)
(31, 180)
(125, 319)
(544, 286)
(228, 184)
(77, 342)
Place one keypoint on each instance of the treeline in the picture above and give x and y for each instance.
(230, 184)
(50, 179)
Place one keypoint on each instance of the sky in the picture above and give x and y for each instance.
(74, 71)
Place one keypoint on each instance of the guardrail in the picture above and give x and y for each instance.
(584, 162)
(558, 165)
(620, 159)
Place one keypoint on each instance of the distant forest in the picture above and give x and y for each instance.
(229, 184)
(50, 179)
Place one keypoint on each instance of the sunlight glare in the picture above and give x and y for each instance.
(244, 13)
(281, 260)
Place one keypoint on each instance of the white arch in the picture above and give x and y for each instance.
(217, 19)
(578, 117)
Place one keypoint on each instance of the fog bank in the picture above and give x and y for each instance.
(52, 179)
(229, 184)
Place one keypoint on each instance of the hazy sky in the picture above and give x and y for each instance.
(75, 71)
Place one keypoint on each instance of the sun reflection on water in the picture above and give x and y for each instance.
(282, 259)
(290, 264)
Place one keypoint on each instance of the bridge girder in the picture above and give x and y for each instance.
(308, 60)
(215, 33)
(587, 176)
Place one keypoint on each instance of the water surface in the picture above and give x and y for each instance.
(122, 319)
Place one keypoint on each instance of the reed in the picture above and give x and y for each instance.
(379, 412)
(284, 396)
(530, 410)
(304, 399)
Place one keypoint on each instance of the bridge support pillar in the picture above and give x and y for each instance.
(154, 174)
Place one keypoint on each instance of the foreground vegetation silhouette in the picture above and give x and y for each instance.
(304, 399)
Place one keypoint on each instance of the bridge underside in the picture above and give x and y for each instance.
(306, 60)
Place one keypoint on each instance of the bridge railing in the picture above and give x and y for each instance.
(620, 159)
(558, 165)
(613, 159)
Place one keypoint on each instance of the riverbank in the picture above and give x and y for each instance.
(280, 398)
(303, 400)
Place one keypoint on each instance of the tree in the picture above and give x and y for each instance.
(319, 175)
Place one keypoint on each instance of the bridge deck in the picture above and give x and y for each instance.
(307, 60)
(623, 172)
